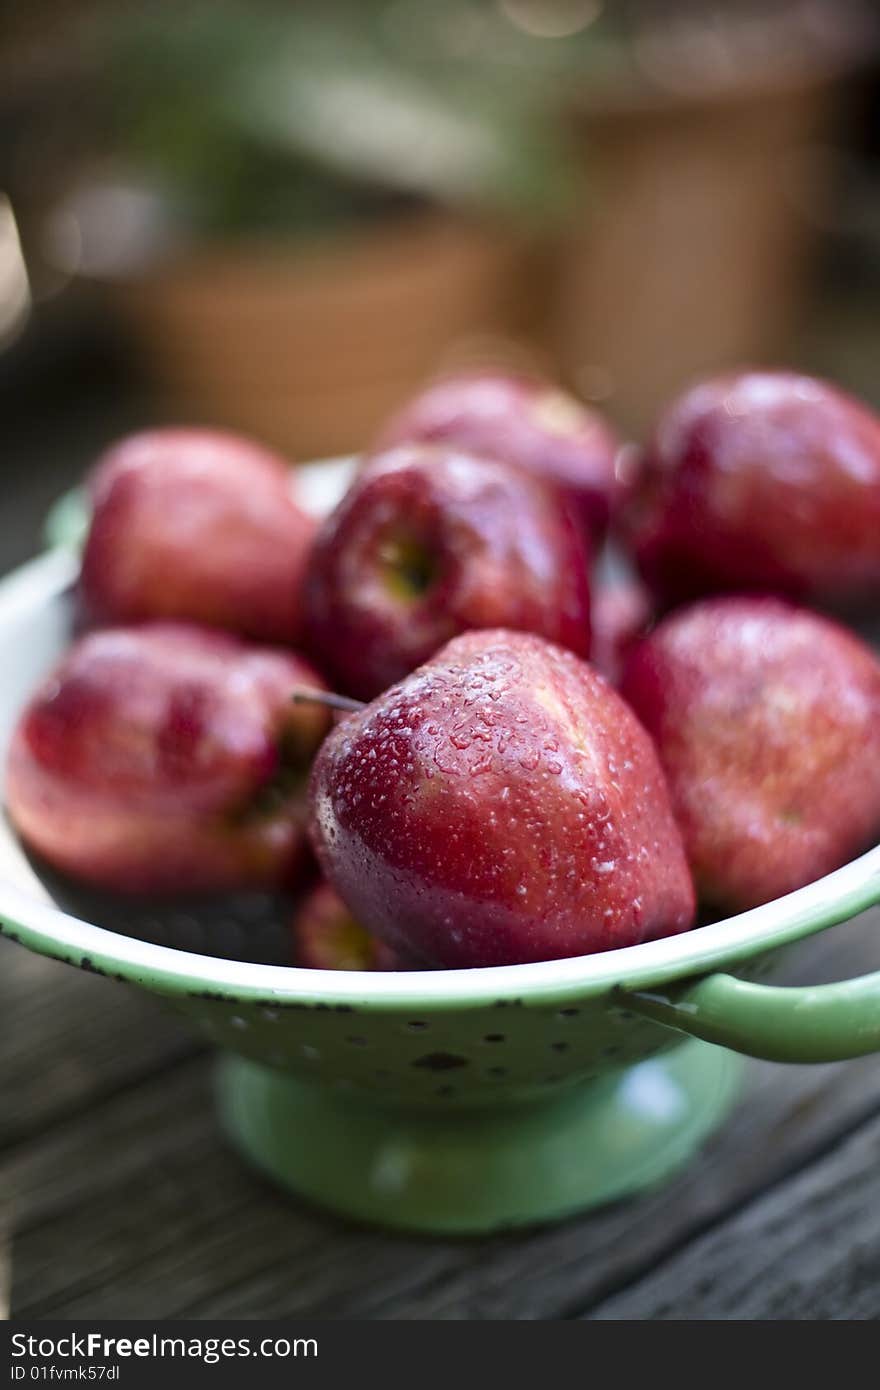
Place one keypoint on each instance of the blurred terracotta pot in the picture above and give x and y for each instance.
(310, 347)
(691, 250)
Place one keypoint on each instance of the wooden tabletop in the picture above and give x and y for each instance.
(120, 1198)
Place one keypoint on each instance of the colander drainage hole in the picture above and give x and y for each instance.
(238, 1022)
(560, 1046)
(494, 1038)
(311, 1054)
(440, 1061)
(568, 1013)
(496, 1071)
(416, 1025)
(356, 1041)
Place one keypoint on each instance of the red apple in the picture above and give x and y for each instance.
(502, 804)
(766, 481)
(767, 721)
(325, 936)
(167, 758)
(192, 524)
(429, 542)
(622, 610)
(528, 422)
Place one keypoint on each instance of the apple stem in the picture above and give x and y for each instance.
(328, 698)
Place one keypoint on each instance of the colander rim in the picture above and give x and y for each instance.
(49, 930)
(835, 898)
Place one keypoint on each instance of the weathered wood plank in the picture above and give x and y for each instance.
(70, 1038)
(137, 1208)
(5, 1267)
(808, 1250)
(178, 1227)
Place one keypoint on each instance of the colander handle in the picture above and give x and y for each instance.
(821, 1023)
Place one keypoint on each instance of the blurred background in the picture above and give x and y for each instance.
(283, 217)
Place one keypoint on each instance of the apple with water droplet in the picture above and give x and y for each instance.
(501, 804)
(767, 721)
(430, 542)
(763, 480)
(197, 525)
(523, 420)
(167, 758)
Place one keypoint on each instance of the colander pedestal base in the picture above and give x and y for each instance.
(478, 1170)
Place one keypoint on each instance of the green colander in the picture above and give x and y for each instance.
(458, 1101)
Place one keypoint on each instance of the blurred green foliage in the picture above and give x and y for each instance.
(301, 117)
